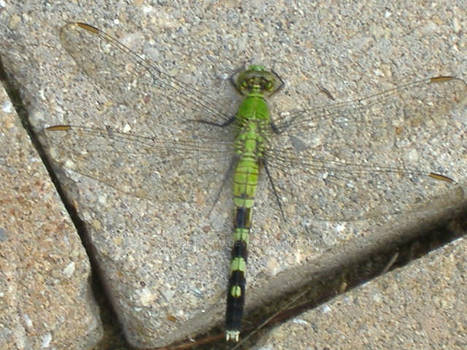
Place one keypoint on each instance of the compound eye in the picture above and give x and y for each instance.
(266, 84)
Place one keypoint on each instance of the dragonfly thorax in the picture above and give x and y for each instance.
(251, 139)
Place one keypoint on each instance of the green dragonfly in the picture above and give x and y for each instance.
(312, 163)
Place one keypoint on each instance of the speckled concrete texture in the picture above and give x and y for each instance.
(164, 259)
(45, 297)
(420, 306)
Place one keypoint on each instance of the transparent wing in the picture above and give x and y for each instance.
(435, 96)
(132, 80)
(370, 156)
(176, 159)
(187, 170)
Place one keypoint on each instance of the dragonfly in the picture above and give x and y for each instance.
(310, 163)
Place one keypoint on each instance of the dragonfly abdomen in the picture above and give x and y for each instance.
(237, 281)
(244, 189)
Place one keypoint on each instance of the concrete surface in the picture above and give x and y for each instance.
(45, 296)
(164, 259)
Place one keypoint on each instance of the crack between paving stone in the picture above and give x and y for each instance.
(98, 287)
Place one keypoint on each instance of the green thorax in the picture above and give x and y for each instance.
(253, 119)
(254, 126)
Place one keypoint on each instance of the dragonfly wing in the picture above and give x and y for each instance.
(189, 170)
(132, 80)
(412, 102)
(369, 157)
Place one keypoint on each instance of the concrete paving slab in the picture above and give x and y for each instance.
(164, 259)
(45, 296)
(419, 306)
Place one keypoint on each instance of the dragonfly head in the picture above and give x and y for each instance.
(256, 80)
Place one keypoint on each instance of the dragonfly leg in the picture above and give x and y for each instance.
(274, 190)
(223, 125)
(226, 178)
